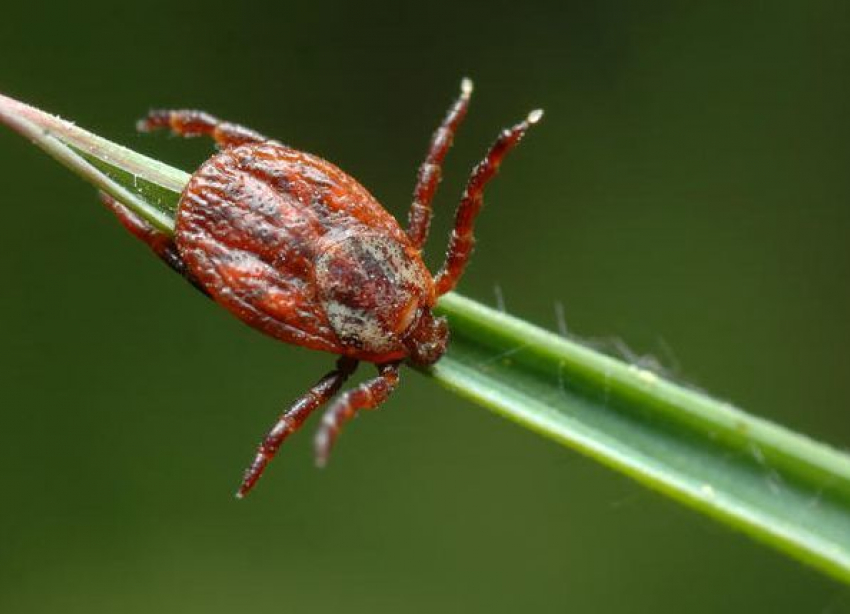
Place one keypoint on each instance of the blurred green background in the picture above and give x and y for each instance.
(687, 194)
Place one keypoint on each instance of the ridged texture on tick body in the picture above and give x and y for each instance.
(252, 225)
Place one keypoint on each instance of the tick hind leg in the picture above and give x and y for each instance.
(368, 395)
(292, 419)
(430, 173)
(189, 123)
(159, 242)
(462, 239)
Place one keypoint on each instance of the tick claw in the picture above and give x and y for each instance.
(246, 487)
(321, 451)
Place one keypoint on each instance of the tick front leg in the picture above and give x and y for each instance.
(430, 173)
(161, 244)
(368, 395)
(293, 418)
(462, 239)
(189, 123)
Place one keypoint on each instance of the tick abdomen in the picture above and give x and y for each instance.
(291, 244)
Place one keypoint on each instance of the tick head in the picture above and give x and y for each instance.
(427, 338)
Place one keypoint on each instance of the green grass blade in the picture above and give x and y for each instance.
(780, 487)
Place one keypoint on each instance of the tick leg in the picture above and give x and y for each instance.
(368, 395)
(430, 173)
(161, 244)
(462, 239)
(189, 123)
(293, 418)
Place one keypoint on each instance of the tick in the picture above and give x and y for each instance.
(299, 250)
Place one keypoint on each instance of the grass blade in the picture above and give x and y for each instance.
(778, 486)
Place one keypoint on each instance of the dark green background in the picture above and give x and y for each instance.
(687, 193)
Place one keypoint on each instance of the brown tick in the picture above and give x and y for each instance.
(299, 250)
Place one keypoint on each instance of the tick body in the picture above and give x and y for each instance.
(299, 250)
